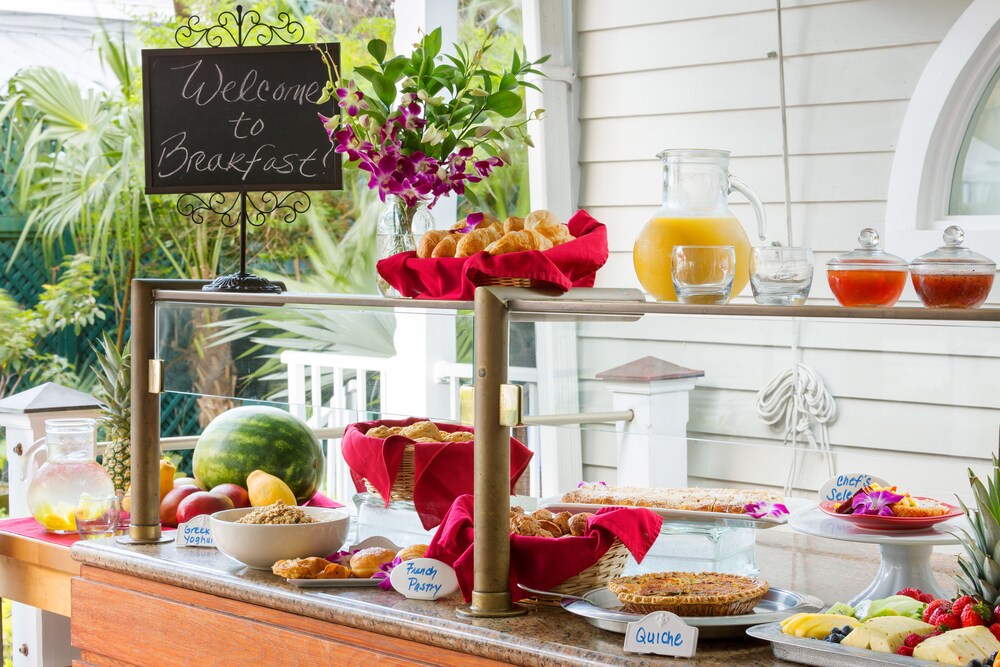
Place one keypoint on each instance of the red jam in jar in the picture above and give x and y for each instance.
(867, 288)
(953, 291)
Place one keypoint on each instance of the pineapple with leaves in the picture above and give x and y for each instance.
(114, 374)
(981, 564)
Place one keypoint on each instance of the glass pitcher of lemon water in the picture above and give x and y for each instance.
(695, 211)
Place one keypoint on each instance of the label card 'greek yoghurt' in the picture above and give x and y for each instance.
(842, 487)
(195, 533)
(424, 579)
(662, 633)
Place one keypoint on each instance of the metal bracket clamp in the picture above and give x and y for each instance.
(155, 384)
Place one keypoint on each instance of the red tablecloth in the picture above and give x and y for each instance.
(544, 562)
(28, 527)
(572, 264)
(442, 471)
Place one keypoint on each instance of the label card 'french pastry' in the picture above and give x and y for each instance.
(842, 487)
(195, 533)
(662, 633)
(424, 579)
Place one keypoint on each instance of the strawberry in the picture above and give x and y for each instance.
(934, 606)
(948, 621)
(904, 650)
(912, 640)
(995, 629)
(961, 603)
(926, 598)
(911, 593)
(970, 616)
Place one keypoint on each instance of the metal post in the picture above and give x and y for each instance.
(145, 514)
(491, 580)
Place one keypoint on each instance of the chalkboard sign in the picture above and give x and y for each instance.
(237, 119)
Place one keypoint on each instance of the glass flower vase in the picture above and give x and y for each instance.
(399, 227)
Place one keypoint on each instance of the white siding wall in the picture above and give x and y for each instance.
(697, 74)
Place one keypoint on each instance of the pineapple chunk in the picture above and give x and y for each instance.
(885, 634)
(958, 647)
(815, 626)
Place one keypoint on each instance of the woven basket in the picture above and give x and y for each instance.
(402, 488)
(497, 281)
(597, 575)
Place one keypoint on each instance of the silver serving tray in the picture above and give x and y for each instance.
(602, 609)
(824, 654)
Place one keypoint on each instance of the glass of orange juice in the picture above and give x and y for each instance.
(703, 273)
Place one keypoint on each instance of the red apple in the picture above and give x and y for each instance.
(236, 493)
(168, 506)
(202, 502)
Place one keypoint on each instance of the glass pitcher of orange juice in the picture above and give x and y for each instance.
(695, 211)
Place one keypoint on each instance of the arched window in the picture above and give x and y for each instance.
(946, 169)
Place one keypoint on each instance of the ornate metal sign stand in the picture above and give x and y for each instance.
(242, 27)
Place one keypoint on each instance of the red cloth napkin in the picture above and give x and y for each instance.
(543, 562)
(319, 500)
(442, 470)
(572, 264)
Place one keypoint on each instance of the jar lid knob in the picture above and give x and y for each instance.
(953, 236)
(868, 238)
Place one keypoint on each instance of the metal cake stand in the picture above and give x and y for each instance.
(905, 555)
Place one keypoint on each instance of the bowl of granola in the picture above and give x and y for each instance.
(258, 537)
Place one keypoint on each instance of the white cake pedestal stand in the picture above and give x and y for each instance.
(905, 555)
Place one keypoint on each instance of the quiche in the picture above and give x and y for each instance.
(689, 593)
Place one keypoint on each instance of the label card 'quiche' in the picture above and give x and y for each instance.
(662, 633)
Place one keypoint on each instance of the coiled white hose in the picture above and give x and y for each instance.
(796, 400)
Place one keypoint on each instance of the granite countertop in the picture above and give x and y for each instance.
(544, 637)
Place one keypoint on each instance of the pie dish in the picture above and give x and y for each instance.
(689, 593)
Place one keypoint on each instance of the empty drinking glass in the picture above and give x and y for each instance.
(781, 276)
(703, 273)
(97, 516)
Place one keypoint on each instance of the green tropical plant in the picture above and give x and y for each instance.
(981, 564)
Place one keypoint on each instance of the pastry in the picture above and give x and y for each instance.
(476, 241)
(458, 436)
(689, 593)
(541, 218)
(446, 247)
(732, 501)
(379, 432)
(367, 562)
(412, 551)
(562, 520)
(522, 524)
(513, 224)
(310, 568)
(550, 527)
(516, 509)
(578, 523)
(557, 234)
(526, 239)
(541, 514)
(334, 571)
(422, 429)
(429, 241)
(919, 507)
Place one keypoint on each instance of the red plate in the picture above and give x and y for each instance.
(876, 522)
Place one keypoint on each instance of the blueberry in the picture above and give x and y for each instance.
(975, 663)
(846, 630)
(837, 639)
(829, 639)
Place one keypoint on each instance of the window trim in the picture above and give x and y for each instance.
(933, 130)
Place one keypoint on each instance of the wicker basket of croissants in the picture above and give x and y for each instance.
(540, 230)
(543, 523)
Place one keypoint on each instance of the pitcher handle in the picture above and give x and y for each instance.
(758, 208)
(29, 457)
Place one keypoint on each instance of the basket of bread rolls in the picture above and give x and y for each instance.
(543, 523)
(538, 250)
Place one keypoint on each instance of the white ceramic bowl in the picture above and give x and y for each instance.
(261, 545)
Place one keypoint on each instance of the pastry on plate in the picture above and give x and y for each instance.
(310, 568)
(412, 551)
(689, 593)
(367, 562)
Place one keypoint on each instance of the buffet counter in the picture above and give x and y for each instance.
(161, 605)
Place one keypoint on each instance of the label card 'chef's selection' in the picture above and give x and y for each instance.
(662, 633)
(842, 487)
(195, 533)
(424, 579)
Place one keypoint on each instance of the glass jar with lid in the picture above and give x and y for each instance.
(867, 277)
(953, 276)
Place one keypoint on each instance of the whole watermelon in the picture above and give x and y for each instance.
(242, 440)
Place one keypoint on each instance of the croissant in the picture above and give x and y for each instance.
(429, 241)
(489, 220)
(513, 224)
(446, 248)
(526, 239)
(475, 241)
(540, 218)
(558, 234)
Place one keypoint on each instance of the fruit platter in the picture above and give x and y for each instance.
(886, 508)
(909, 628)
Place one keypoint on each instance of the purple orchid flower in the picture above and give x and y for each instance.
(351, 99)
(875, 502)
(385, 569)
(583, 485)
(764, 508)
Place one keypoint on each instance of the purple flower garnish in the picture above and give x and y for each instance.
(384, 570)
(764, 508)
(582, 485)
(875, 503)
(351, 99)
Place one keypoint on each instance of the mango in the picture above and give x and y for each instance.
(266, 489)
(167, 470)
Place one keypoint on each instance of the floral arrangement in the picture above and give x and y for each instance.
(425, 125)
